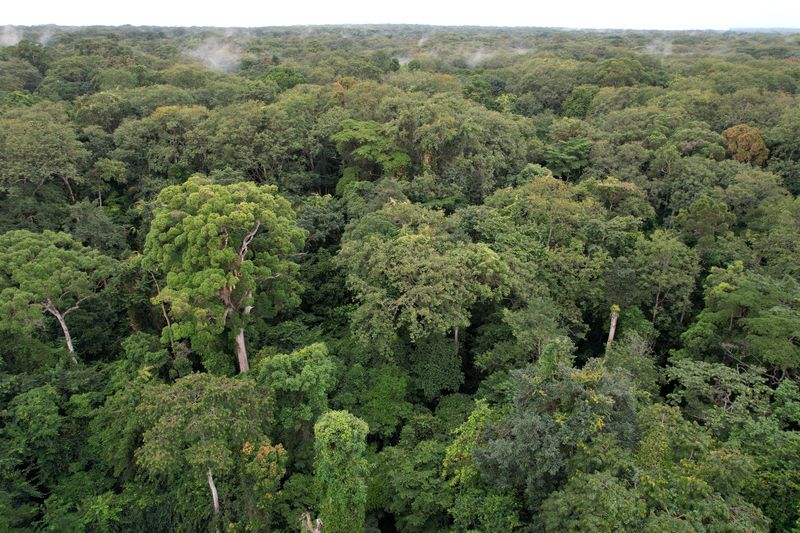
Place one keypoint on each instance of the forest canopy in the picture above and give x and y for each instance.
(399, 278)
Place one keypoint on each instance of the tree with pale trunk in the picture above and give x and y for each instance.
(227, 252)
(48, 274)
(209, 431)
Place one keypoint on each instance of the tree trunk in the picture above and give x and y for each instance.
(214, 495)
(50, 308)
(241, 352)
(655, 307)
(305, 521)
(612, 330)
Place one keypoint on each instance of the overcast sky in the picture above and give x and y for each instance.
(629, 14)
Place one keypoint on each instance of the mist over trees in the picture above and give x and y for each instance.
(399, 278)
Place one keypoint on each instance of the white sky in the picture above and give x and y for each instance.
(628, 14)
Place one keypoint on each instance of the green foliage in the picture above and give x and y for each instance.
(747, 316)
(341, 470)
(423, 228)
(219, 245)
(555, 412)
(593, 502)
(566, 158)
(285, 78)
(666, 271)
(47, 273)
(415, 491)
(408, 273)
(579, 102)
(204, 425)
(301, 382)
(365, 143)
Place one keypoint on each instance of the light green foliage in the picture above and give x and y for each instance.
(690, 479)
(47, 273)
(719, 396)
(220, 247)
(341, 471)
(459, 466)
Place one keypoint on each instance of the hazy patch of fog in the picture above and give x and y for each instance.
(477, 57)
(660, 47)
(9, 36)
(217, 54)
(45, 37)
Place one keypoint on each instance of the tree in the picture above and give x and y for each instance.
(747, 317)
(666, 270)
(158, 142)
(406, 272)
(38, 146)
(341, 471)
(301, 382)
(554, 412)
(745, 144)
(48, 273)
(365, 143)
(206, 429)
(594, 502)
(219, 245)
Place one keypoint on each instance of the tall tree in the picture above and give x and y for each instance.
(38, 146)
(210, 430)
(407, 271)
(219, 245)
(666, 270)
(48, 273)
(341, 471)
